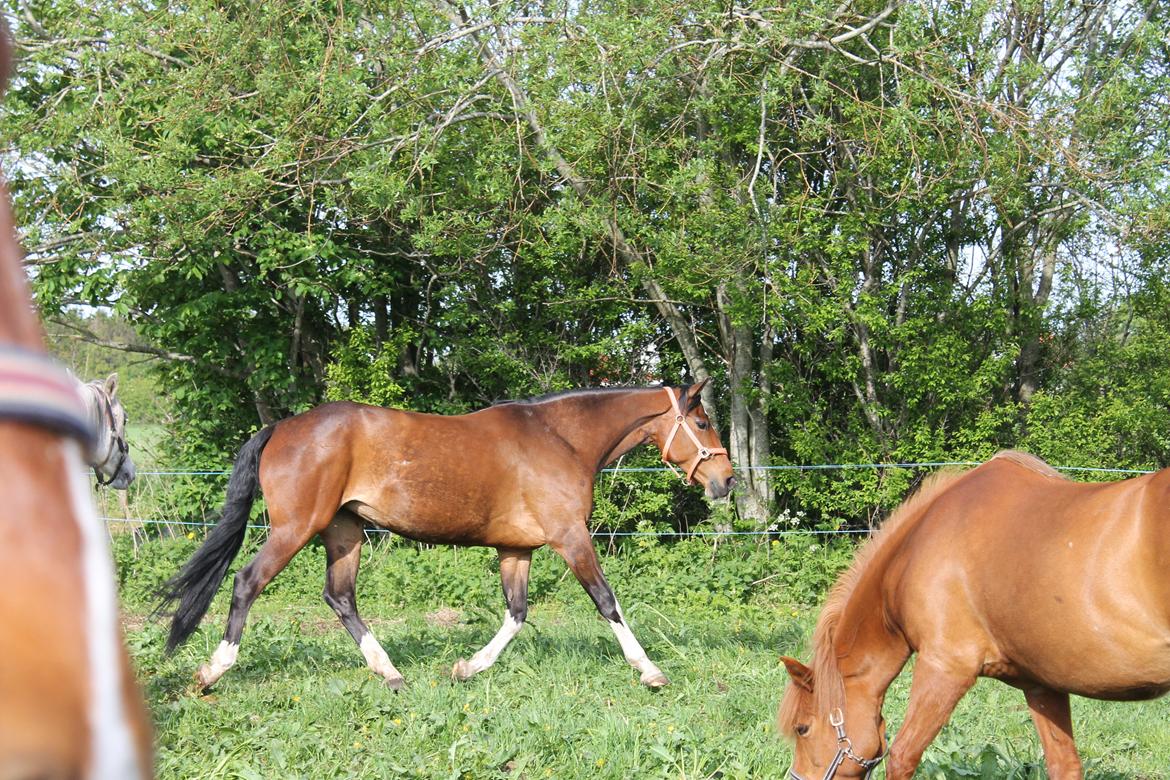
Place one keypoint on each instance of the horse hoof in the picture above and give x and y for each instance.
(462, 670)
(395, 684)
(654, 680)
(204, 679)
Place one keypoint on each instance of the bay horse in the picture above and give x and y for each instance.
(110, 454)
(69, 703)
(515, 476)
(1008, 571)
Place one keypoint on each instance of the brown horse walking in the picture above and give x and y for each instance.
(515, 476)
(69, 703)
(1007, 571)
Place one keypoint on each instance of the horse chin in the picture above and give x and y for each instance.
(124, 477)
(716, 490)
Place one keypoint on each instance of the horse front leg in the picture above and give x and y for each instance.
(514, 565)
(934, 692)
(1053, 721)
(577, 550)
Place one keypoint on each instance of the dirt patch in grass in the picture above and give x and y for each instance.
(446, 617)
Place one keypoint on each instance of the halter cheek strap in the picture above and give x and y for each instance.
(701, 453)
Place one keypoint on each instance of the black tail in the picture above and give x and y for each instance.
(196, 583)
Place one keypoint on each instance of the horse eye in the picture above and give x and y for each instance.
(802, 730)
(701, 425)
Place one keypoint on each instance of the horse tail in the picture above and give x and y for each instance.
(196, 583)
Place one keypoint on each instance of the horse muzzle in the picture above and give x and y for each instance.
(717, 488)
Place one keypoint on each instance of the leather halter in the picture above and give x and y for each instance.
(702, 453)
(845, 751)
(35, 390)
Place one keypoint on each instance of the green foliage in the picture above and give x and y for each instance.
(359, 372)
(938, 237)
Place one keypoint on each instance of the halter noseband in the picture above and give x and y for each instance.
(36, 390)
(845, 751)
(702, 453)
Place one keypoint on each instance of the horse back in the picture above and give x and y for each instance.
(1056, 581)
(460, 479)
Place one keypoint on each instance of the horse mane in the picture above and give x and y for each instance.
(580, 391)
(1028, 461)
(828, 685)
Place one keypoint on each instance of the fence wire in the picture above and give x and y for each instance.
(371, 532)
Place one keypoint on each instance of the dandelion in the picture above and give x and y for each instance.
(190, 534)
(600, 763)
(466, 727)
(357, 745)
(397, 721)
(296, 699)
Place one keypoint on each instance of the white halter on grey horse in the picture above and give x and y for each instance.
(110, 456)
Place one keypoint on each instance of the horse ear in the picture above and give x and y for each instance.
(111, 384)
(693, 393)
(801, 675)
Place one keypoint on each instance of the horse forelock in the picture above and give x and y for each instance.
(828, 684)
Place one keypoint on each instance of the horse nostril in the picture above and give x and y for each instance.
(730, 482)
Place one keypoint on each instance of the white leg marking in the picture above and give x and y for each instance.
(651, 674)
(113, 750)
(377, 659)
(222, 659)
(491, 651)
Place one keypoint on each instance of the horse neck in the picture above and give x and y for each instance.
(868, 653)
(603, 426)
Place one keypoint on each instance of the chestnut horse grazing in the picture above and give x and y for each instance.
(69, 705)
(515, 476)
(1007, 571)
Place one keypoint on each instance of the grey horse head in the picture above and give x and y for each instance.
(110, 456)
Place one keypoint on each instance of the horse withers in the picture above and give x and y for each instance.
(515, 476)
(1009, 571)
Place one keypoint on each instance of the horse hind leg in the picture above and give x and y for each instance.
(514, 566)
(343, 550)
(284, 541)
(1053, 721)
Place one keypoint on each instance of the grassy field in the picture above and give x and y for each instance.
(561, 702)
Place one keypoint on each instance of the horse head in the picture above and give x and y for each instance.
(698, 449)
(834, 735)
(111, 459)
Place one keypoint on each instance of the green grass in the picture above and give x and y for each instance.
(561, 701)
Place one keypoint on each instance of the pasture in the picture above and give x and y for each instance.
(561, 702)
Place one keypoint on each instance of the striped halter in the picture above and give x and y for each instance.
(35, 390)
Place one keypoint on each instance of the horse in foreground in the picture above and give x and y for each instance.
(515, 476)
(69, 704)
(1010, 571)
